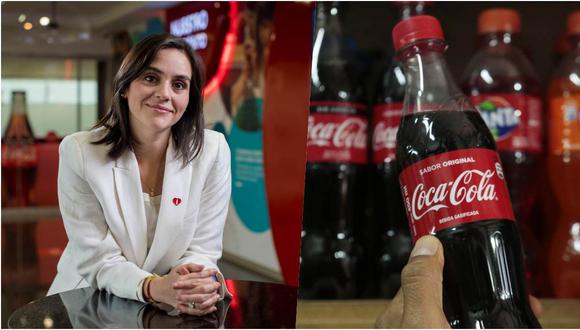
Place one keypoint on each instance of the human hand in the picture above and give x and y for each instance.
(419, 302)
(197, 290)
(161, 288)
(156, 318)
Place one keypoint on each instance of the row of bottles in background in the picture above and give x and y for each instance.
(19, 158)
(335, 170)
(19, 167)
(355, 237)
(390, 254)
(503, 85)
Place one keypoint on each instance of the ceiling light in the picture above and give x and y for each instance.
(27, 26)
(21, 18)
(84, 36)
(44, 21)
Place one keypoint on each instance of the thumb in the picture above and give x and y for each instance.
(188, 268)
(194, 268)
(181, 270)
(422, 286)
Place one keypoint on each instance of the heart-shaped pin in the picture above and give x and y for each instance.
(176, 201)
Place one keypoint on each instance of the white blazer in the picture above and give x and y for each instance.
(102, 207)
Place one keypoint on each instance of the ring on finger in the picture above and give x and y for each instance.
(192, 305)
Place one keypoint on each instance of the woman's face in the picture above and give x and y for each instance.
(158, 98)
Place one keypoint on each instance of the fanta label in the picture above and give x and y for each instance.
(515, 120)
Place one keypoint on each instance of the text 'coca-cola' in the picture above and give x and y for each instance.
(452, 188)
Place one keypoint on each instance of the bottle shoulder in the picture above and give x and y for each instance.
(566, 77)
(391, 85)
(332, 85)
(321, 93)
(500, 69)
(569, 67)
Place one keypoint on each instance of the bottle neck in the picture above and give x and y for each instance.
(430, 85)
(329, 73)
(328, 36)
(392, 88)
(498, 38)
(18, 103)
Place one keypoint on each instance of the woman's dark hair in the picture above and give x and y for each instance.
(187, 133)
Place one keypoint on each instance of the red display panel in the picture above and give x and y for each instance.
(285, 130)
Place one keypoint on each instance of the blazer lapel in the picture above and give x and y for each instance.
(176, 185)
(130, 199)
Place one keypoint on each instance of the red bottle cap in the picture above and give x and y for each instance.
(416, 28)
(498, 19)
(574, 22)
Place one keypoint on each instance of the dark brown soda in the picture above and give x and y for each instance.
(334, 192)
(483, 277)
(393, 246)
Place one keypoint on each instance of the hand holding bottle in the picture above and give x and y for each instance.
(419, 302)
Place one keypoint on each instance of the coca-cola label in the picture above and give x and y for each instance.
(515, 120)
(337, 133)
(453, 188)
(19, 155)
(386, 119)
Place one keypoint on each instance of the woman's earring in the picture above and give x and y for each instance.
(123, 95)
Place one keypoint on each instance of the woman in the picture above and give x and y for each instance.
(147, 190)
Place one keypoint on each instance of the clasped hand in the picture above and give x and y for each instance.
(189, 288)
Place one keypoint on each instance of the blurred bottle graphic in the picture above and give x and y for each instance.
(19, 164)
(19, 158)
(504, 87)
(335, 169)
(394, 245)
(564, 167)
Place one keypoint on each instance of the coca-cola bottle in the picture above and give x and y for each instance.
(335, 168)
(503, 85)
(454, 187)
(19, 163)
(564, 168)
(394, 246)
(19, 158)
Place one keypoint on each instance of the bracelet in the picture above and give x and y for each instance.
(146, 289)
